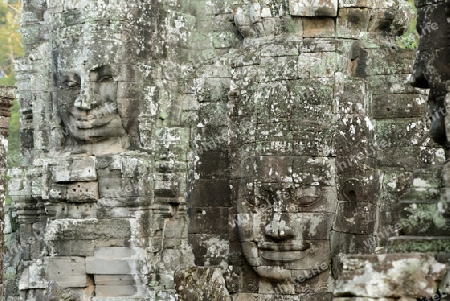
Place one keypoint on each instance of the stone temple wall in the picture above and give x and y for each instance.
(7, 95)
(210, 150)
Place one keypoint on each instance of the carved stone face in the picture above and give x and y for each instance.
(88, 104)
(284, 217)
(91, 87)
(431, 70)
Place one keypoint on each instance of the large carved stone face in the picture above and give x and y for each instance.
(88, 104)
(284, 216)
(93, 86)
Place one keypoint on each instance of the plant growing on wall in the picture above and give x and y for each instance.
(10, 39)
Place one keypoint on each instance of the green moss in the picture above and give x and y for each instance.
(410, 39)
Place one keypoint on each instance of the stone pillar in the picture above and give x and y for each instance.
(6, 102)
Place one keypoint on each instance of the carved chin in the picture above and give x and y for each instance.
(274, 273)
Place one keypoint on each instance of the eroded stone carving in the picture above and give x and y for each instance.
(88, 93)
(421, 212)
(283, 218)
(272, 191)
(100, 195)
(90, 111)
(298, 114)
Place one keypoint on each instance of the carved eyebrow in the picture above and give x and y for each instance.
(103, 71)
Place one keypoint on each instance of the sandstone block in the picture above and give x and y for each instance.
(305, 8)
(73, 247)
(318, 27)
(82, 192)
(316, 65)
(67, 229)
(67, 271)
(80, 169)
(115, 291)
(352, 21)
(37, 273)
(113, 280)
(108, 266)
(114, 252)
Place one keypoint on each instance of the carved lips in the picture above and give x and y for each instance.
(89, 120)
(284, 252)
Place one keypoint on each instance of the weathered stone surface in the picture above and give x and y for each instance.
(391, 275)
(250, 141)
(69, 271)
(57, 293)
(307, 9)
(424, 244)
(201, 284)
(115, 290)
(7, 94)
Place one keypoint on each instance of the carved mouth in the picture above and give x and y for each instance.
(284, 252)
(284, 256)
(92, 123)
(284, 247)
(307, 201)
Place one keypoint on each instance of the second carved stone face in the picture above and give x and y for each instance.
(88, 104)
(284, 220)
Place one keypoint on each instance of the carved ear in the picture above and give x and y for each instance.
(351, 190)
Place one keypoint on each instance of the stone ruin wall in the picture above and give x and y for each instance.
(7, 95)
(209, 96)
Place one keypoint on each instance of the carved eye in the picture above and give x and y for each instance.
(106, 78)
(72, 80)
(71, 83)
(303, 199)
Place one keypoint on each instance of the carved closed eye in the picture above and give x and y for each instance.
(106, 78)
(72, 81)
(258, 204)
(72, 84)
(306, 199)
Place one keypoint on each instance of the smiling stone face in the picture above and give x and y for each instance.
(88, 104)
(90, 99)
(284, 216)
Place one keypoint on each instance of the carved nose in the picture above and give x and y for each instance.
(82, 102)
(88, 98)
(278, 228)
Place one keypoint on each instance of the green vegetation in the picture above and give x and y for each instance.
(10, 48)
(14, 136)
(10, 40)
(410, 39)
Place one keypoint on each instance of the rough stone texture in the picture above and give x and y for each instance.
(101, 190)
(422, 224)
(7, 95)
(173, 144)
(189, 284)
(390, 276)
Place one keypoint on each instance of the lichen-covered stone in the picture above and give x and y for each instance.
(390, 276)
(168, 144)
